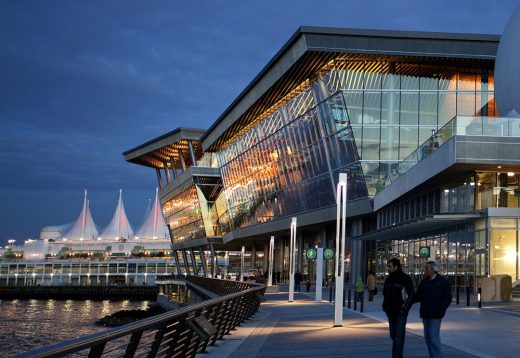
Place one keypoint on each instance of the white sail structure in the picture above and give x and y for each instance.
(119, 227)
(84, 228)
(154, 227)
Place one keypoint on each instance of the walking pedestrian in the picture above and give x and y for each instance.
(297, 280)
(360, 288)
(371, 285)
(397, 298)
(434, 294)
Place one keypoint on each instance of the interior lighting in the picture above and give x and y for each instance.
(509, 174)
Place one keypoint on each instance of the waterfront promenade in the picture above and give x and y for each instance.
(304, 328)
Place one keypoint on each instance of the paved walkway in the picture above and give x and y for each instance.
(304, 329)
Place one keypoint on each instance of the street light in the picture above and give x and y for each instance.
(292, 259)
(341, 215)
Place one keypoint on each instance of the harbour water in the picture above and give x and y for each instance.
(30, 324)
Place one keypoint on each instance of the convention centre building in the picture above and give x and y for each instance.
(433, 168)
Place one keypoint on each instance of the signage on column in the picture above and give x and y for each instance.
(311, 254)
(328, 254)
(424, 251)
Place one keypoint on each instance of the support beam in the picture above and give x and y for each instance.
(194, 262)
(181, 159)
(159, 177)
(192, 154)
(174, 171)
(204, 265)
(167, 172)
(214, 262)
(186, 262)
(177, 264)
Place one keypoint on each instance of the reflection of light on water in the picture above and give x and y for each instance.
(27, 325)
(68, 306)
(105, 307)
(144, 305)
(86, 306)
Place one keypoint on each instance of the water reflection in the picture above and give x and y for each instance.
(27, 325)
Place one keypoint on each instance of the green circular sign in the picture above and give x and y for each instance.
(311, 254)
(424, 251)
(328, 254)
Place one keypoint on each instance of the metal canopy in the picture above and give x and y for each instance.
(156, 152)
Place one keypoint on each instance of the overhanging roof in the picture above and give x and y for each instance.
(313, 48)
(159, 150)
(416, 227)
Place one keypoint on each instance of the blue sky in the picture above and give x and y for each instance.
(81, 82)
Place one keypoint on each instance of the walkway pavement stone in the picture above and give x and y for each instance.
(304, 328)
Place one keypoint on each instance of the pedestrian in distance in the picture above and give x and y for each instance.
(371, 285)
(434, 294)
(360, 288)
(297, 280)
(398, 293)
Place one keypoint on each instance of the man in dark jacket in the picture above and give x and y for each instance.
(434, 293)
(397, 299)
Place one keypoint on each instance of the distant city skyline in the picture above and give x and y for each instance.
(80, 83)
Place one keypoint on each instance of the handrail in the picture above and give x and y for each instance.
(96, 340)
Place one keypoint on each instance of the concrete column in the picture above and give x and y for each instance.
(174, 171)
(299, 251)
(253, 257)
(192, 154)
(204, 263)
(194, 262)
(159, 178)
(357, 253)
(266, 255)
(181, 159)
(167, 172)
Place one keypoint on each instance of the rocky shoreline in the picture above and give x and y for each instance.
(128, 316)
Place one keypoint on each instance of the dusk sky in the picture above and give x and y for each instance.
(82, 82)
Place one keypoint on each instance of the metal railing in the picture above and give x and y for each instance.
(183, 332)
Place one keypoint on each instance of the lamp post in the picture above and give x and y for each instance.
(271, 254)
(341, 215)
(242, 254)
(292, 259)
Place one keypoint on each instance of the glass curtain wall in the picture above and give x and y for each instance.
(294, 169)
(395, 107)
(464, 253)
(191, 210)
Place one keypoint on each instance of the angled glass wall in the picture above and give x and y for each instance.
(191, 211)
(292, 170)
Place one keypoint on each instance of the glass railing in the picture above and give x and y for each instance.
(459, 125)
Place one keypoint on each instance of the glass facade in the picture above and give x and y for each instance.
(269, 174)
(465, 253)
(191, 211)
(287, 162)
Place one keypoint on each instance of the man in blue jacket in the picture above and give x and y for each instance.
(434, 293)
